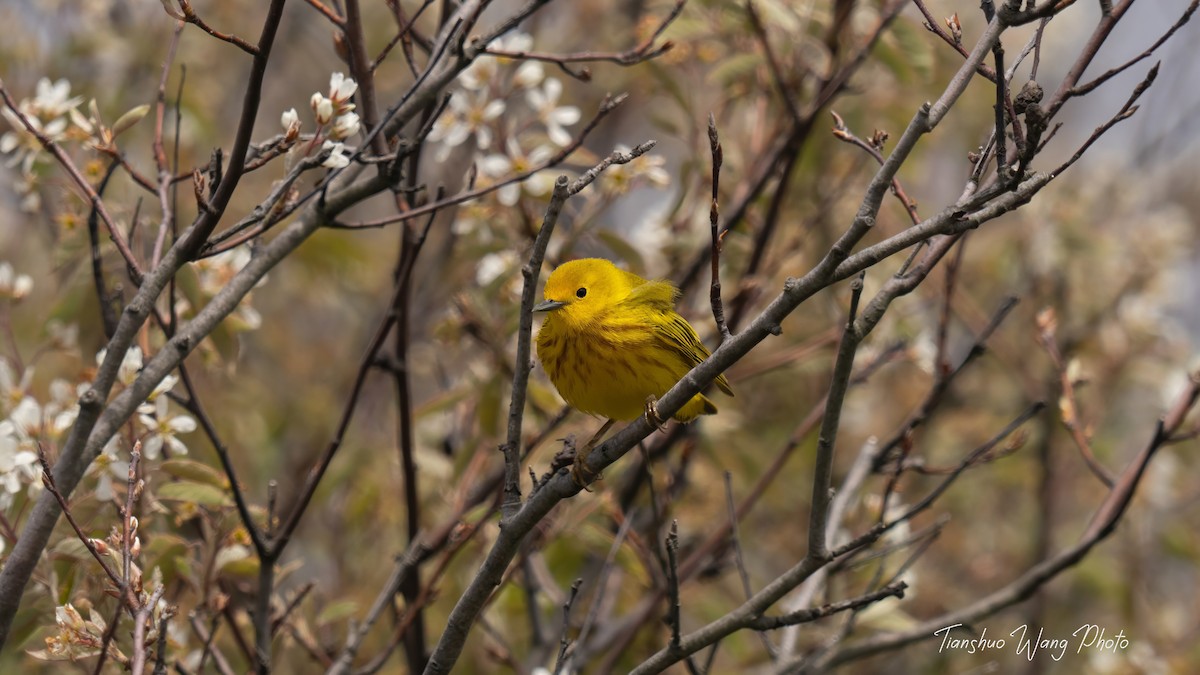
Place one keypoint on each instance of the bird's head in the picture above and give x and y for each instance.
(580, 290)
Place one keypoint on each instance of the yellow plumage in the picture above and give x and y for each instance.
(612, 340)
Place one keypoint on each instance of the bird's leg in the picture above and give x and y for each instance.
(652, 413)
(579, 470)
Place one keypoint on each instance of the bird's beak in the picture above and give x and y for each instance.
(549, 306)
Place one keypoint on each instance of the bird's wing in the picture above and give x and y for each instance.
(658, 295)
(682, 339)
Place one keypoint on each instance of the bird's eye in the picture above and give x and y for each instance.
(581, 292)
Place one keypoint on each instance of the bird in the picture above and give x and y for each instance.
(612, 344)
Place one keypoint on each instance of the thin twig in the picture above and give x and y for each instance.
(714, 293)
(643, 52)
(191, 17)
(1068, 405)
(738, 557)
(874, 148)
(516, 409)
(606, 107)
(564, 641)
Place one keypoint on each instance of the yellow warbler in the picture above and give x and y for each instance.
(612, 342)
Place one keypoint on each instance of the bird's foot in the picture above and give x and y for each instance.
(580, 472)
(652, 413)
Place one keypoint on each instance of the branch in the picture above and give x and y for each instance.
(190, 16)
(893, 590)
(1084, 89)
(92, 429)
(517, 522)
(516, 409)
(874, 148)
(608, 105)
(714, 294)
(1103, 524)
(630, 57)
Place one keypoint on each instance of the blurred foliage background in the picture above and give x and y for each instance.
(1110, 247)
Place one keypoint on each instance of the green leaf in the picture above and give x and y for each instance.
(195, 472)
(129, 119)
(195, 493)
(246, 568)
(71, 547)
(489, 407)
(337, 611)
(915, 48)
(735, 68)
(623, 250)
(543, 398)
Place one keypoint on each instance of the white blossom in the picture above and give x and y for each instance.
(544, 102)
(336, 159)
(12, 285)
(322, 108)
(53, 99)
(620, 178)
(290, 121)
(482, 72)
(493, 265)
(109, 465)
(131, 364)
(12, 388)
(514, 163)
(467, 115)
(163, 428)
(529, 74)
(341, 88)
(344, 126)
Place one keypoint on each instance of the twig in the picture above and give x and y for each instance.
(874, 148)
(643, 52)
(714, 294)
(673, 584)
(328, 12)
(190, 16)
(105, 300)
(739, 559)
(785, 92)
(90, 543)
(1124, 113)
(406, 29)
(1103, 523)
(165, 184)
(109, 634)
(601, 585)
(194, 406)
(471, 602)
(818, 520)
(606, 107)
(68, 165)
(941, 360)
(411, 244)
(1001, 127)
(935, 396)
(893, 590)
(206, 637)
(845, 494)
(564, 641)
(1084, 89)
(1069, 403)
(138, 660)
(404, 566)
(160, 650)
(516, 409)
